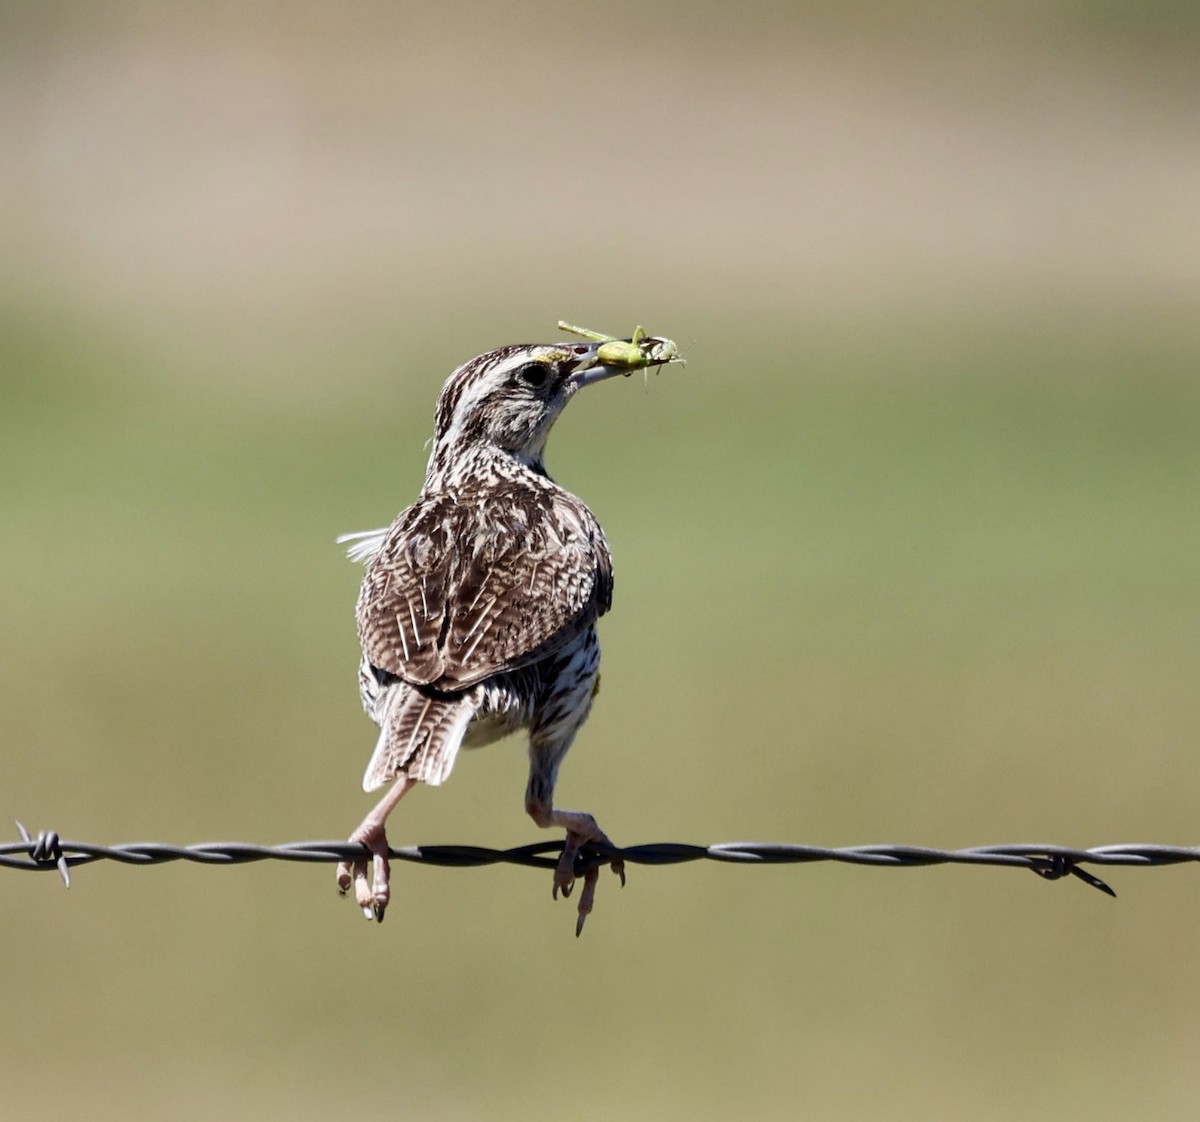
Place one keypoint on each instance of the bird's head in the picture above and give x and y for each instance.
(509, 398)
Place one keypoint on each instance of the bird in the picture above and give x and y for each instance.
(478, 607)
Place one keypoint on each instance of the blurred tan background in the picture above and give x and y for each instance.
(908, 552)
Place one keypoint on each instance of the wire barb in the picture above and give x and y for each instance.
(45, 851)
(1057, 866)
(1051, 862)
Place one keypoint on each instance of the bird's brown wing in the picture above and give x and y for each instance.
(459, 592)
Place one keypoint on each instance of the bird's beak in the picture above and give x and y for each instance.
(588, 367)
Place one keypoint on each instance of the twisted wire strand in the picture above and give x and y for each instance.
(47, 851)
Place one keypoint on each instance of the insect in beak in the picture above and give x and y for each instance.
(612, 356)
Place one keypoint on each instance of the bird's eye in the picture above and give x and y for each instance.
(534, 374)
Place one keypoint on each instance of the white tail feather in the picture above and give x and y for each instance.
(366, 543)
(426, 751)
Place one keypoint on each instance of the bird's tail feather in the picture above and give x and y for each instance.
(363, 544)
(419, 736)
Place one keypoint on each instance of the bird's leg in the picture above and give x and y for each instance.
(373, 897)
(572, 690)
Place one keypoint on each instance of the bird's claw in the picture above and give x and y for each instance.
(371, 894)
(564, 874)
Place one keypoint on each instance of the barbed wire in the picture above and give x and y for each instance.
(47, 851)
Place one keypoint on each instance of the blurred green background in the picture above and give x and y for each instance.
(908, 552)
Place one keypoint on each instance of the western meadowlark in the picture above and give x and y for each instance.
(478, 606)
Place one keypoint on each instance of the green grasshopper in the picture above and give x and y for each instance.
(639, 351)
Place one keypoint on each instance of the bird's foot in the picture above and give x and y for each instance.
(564, 872)
(373, 895)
